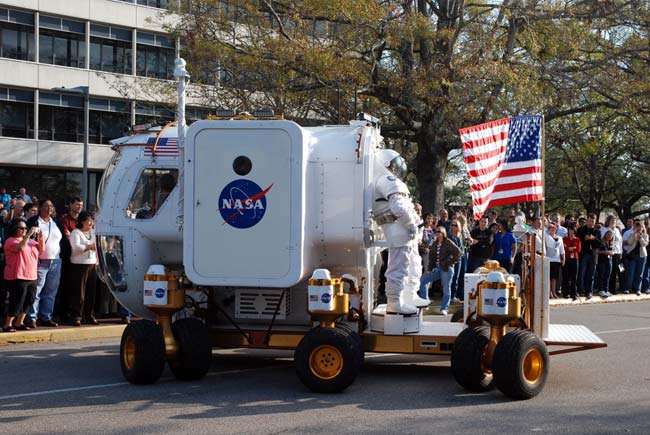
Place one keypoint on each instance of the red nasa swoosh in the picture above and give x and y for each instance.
(253, 198)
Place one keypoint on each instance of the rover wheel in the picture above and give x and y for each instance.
(467, 359)
(354, 336)
(326, 360)
(520, 365)
(457, 317)
(194, 349)
(142, 352)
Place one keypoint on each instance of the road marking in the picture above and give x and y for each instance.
(61, 390)
(613, 331)
(117, 384)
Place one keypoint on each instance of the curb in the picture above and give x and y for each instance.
(61, 334)
(618, 298)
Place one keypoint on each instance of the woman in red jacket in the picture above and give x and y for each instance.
(21, 257)
(572, 247)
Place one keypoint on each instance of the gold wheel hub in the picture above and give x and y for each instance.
(326, 362)
(533, 366)
(129, 352)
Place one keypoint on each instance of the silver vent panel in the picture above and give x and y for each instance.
(260, 304)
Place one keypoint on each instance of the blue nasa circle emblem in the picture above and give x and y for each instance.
(160, 293)
(501, 302)
(242, 203)
(326, 298)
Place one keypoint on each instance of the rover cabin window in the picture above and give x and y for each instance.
(151, 192)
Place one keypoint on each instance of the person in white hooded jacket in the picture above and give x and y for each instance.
(394, 211)
(636, 254)
(81, 294)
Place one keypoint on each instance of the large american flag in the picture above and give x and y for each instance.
(504, 161)
(167, 147)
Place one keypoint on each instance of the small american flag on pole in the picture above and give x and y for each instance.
(504, 161)
(167, 147)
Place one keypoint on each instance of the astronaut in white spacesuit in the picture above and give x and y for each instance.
(394, 211)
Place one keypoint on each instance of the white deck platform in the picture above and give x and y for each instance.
(430, 329)
(573, 335)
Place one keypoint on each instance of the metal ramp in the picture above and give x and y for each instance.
(574, 337)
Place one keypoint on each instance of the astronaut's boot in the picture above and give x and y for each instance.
(396, 304)
(411, 297)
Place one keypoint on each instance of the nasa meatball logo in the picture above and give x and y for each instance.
(160, 293)
(326, 298)
(391, 178)
(242, 203)
(501, 302)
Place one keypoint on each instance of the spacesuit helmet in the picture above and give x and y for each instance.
(392, 161)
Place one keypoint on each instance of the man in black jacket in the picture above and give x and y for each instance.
(590, 238)
(479, 251)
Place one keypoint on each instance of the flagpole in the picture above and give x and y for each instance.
(543, 217)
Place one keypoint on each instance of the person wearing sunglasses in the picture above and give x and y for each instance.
(444, 254)
(21, 262)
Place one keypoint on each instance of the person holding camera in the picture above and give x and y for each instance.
(635, 243)
(21, 257)
(49, 264)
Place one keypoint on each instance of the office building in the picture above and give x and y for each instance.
(114, 51)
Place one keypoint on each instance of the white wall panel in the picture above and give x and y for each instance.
(22, 4)
(98, 156)
(18, 151)
(52, 154)
(113, 12)
(68, 8)
(18, 73)
(52, 76)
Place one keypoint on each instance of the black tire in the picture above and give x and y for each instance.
(467, 364)
(358, 342)
(142, 352)
(473, 321)
(520, 365)
(194, 350)
(326, 360)
(457, 317)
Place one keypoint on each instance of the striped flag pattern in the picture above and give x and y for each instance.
(504, 161)
(167, 147)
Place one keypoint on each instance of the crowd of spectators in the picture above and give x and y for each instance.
(587, 257)
(49, 262)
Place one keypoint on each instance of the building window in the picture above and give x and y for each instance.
(58, 184)
(109, 119)
(16, 113)
(110, 49)
(17, 35)
(193, 114)
(155, 56)
(162, 4)
(153, 114)
(60, 117)
(62, 42)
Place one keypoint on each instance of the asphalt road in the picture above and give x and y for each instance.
(77, 387)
